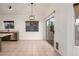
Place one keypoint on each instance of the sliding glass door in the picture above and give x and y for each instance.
(50, 31)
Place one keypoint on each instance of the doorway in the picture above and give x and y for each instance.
(50, 31)
(76, 11)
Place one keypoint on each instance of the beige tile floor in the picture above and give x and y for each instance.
(27, 48)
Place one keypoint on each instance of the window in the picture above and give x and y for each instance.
(9, 24)
(32, 26)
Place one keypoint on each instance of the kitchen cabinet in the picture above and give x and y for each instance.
(14, 36)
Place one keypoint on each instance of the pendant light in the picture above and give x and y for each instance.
(31, 17)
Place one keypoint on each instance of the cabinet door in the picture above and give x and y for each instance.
(16, 36)
(7, 38)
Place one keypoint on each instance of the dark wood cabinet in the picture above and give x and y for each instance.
(7, 38)
(14, 36)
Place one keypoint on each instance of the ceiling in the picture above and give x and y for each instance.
(40, 10)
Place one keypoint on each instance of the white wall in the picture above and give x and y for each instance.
(70, 30)
(64, 27)
(61, 28)
(20, 26)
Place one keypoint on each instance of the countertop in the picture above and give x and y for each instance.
(3, 35)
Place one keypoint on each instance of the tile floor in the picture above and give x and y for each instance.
(27, 48)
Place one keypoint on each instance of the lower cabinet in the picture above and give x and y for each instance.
(7, 38)
(14, 36)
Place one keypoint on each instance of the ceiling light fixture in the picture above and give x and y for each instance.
(31, 17)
